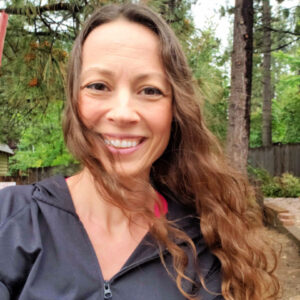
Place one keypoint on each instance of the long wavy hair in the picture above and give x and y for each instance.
(192, 166)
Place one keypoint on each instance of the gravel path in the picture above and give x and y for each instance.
(288, 269)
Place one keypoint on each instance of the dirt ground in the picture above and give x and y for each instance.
(289, 265)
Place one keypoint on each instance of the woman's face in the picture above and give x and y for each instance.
(125, 96)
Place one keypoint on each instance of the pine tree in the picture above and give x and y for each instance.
(240, 92)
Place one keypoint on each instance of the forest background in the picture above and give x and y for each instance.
(39, 38)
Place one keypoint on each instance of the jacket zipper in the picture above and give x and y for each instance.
(107, 290)
(136, 264)
(107, 293)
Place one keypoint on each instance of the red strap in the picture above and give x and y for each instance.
(164, 205)
(3, 24)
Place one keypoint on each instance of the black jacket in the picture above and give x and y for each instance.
(46, 254)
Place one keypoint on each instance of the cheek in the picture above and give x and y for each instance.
(89, 112)
(161, 121)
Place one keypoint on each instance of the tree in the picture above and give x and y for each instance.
(285, 31)
(206, 60)
(42, 144)
(34, 59)
(240, 92)
(286, 112)
(267, 88)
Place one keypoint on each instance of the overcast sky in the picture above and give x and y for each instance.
(206, 13)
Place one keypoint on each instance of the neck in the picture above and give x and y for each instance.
(91, 205)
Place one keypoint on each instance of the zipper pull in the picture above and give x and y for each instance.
(107, 291)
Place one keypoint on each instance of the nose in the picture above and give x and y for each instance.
(123, 110)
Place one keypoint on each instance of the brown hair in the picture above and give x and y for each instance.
(192, 166)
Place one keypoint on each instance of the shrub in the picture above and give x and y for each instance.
(285, 185)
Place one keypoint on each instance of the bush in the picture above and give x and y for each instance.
(285, 185)
(290, 185)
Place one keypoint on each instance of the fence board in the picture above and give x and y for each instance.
(37, 174)
(277, 159)
(3, 163)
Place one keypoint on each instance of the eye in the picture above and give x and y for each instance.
(151, 91)
(98, 86)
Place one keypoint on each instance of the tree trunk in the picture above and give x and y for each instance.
(241, 79)
(267, 90)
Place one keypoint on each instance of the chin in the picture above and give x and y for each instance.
(125, 171)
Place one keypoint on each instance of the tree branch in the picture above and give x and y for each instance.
(60, 36)
(280, 47)
(37, 10)
(283, 31)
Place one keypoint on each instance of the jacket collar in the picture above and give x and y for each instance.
(54, 191)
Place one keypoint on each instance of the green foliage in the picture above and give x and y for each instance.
(255, 128)
(206, 62)
(292, 60)
(31, 76)
(255, 139)
(286, 108)
(285, 104)
(284, 67)
(178, 16)
(285, 185)
(42, 143)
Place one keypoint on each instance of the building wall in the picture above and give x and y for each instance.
(3, 163)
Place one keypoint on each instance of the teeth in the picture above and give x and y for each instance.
(116, 143)
(124, 144)
(121, 143)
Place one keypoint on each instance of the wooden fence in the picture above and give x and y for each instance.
(37, 174)
(3, 163)
(277, 159)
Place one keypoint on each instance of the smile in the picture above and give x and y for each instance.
(121, 143)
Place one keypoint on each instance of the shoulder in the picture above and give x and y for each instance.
(24, 211)
(18, 239)
(14, 200)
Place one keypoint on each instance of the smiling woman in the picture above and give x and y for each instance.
(156, 212)
(125, 96)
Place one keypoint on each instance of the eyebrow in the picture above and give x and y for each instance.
(111, 74)
(98, 71)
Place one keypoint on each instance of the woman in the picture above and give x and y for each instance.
(128, 225)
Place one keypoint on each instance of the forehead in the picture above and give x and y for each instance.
(122, 34)
(125, 49)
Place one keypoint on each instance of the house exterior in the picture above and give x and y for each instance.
(5, 152)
